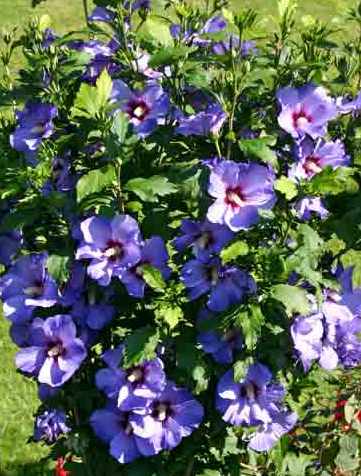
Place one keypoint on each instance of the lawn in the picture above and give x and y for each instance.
(18, 396)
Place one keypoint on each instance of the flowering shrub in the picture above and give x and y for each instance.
(180, 240)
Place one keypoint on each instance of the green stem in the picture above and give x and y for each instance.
(86, 11)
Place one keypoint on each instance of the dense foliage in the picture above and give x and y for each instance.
(180, 239)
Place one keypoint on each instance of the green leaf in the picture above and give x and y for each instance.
(95, 181)
(140, 345)
(58, 267)
(233, 251)
(297, 465)
(153, 277)
(260, 148)
(120, 126)
(157, 29)
(240, 368)
(169, 55)
(353, 259)
(293, 298)
(199, 375)
(148, 189)
(209, 472)
(251, 322)
(171, 314)
(287, 187)
(348, 456)
(91, 100)
(333, 182)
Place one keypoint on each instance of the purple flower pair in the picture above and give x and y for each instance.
(255, 401)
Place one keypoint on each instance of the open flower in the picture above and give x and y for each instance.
(226, 285)
(146, 109)
(55, 353)
(173, 415)
(305, 110)
(26, 286)
(203, 123)
(255, 401)
(35, 123)
(315, 156)
(205, 238)
(131, 388)
(310, 206)
(111, 245)
(50, 425)
(240, 190)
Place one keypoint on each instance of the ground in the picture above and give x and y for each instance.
(18, 396)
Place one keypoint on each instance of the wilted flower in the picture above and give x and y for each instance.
(146, 109)
(226, 285)
(241, 190)
(205, 238)
(111, 245)
(203, 123)
(130, 388)
(54, 353)
(35, 123)
(27, 285)
(173, 415)
(305, 110)
(255, 401)
(345, 106)
(50, 425)
(308, 206)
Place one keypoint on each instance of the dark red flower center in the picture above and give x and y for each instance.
(205, 240)
(114, 250)
(301, 119)
(55, 350)
(250, 391)
(161, 410)
(137, 109)
(235, 197)
(135, 375)
(312, 165)
(36, 290)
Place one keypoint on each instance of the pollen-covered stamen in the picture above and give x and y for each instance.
(162, 411)
(136, 375)
(55, 350)
(38, 129)
(235, 198)
(214, 275)
(114, 251)
(204, 240)
(301, 119)
(138, 109)
(312, 165)
(34, 291)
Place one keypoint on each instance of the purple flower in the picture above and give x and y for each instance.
(62, 179)
(54, 353)
(146, 4)
(153, 253)
(131, 388)
(27, 285)
(49, 37)
(305, 110)
(313, 157)
(205, 238)
(308, 206)
(345, 106)
(10, 244)
(256, 401)
(146, 109)
(350, 296)
(203, 123)
(226, 285)
(315, 336)
(114, 428)
(240, 190)
(101, 14)
(45, 392)
(247, 47)
(35, 123)
(221, 346)
(50, 425)
(111, 245)
(173, 415)
(349, 343)
(215, 24)
(141, 65)
(95, 316)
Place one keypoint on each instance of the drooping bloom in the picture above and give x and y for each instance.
(62, 179)
(35, 123)
(101, 14)
(146, 109)
(350, 296)
(55, 353)
(205, 238)
(153, 253)
(111, 245)
(221, 345)
(309, 206)
(26, 286)
(50, 425)
(345, 106)
(240, 190)
(173, 415)
(226, 285)
(315, 336)
(245, 48)
(315, 156)
(255, 401)
(305, 110)
(203, 123)
(131, 388)
(114, 428)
